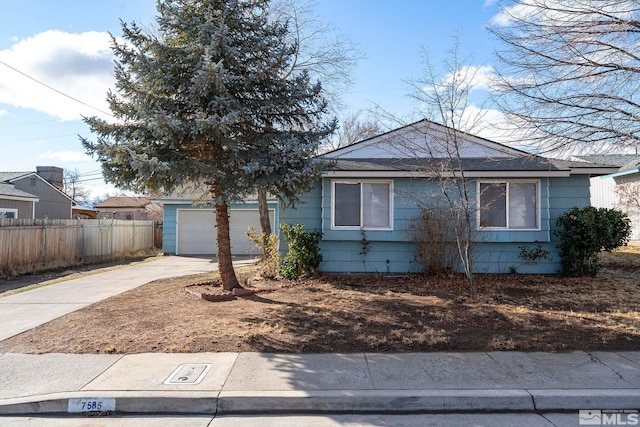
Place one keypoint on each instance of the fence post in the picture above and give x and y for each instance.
(113, 235)
(44, 241)
(82, 241)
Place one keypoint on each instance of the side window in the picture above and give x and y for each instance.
(8, 213)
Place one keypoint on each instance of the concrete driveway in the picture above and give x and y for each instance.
(23, 311)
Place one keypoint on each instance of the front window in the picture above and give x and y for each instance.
(366, 204)
(509, 205)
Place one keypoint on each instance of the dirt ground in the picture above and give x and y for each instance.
(356, 314)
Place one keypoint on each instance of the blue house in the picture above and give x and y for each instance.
(368, 198)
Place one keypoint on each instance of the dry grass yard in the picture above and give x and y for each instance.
(356, 314)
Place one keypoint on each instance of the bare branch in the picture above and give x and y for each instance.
(569, 72)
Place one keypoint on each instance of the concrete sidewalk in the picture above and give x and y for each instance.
(23, 311)
(224, 384)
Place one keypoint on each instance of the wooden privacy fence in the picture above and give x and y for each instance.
(35, 244)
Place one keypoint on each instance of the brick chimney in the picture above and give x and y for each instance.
(52, 174)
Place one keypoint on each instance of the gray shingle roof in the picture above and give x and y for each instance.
(10, 190)
(625, 162)
(532, 163)
(633, 165)
(617, 160)
(124, 202)
(6, 176)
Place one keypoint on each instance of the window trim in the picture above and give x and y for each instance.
(12, 210)
(508, 182)
(360, 181)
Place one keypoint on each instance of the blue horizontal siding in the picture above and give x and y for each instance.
(496, 250)
(169, 227)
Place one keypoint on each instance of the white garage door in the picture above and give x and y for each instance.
(196, 233)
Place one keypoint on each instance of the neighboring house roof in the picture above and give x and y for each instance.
(84, 211)
(631, 166)
(627, 164)
(131, 204)
(189, 193)
(8, 176)
(618, 160)
(9, 192)
(11, 177)
(124, 202)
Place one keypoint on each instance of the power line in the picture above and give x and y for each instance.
(49, 137)
(54, 89)
(28, 123)
(88, 179)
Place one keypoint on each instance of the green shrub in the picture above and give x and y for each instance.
(586, 232)
(303, 258)
(530, 256)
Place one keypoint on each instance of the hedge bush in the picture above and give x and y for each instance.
(585, 233)
(303, 258)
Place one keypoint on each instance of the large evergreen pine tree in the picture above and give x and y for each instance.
(202, 100)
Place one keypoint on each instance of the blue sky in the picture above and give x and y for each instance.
(64, 44)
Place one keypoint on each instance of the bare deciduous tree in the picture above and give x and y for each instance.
(446, 97)
(629, 197)
(72, 186)
(569, 72)
(320, 50)
(353, 129)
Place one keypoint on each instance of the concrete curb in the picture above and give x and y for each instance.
(332, 401)
(374, 401)
(126, 402)
(567, 399)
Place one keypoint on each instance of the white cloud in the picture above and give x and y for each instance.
(480, 76)
(3, 112)
(491, 124)
(101, 190)
(471, 77)
(78, 65)
(488, 3)
(65, 156)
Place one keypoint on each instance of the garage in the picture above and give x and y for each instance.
(196, 234)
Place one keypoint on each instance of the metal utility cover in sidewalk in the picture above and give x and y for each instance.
(191, 373)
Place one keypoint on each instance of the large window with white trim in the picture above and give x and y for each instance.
(512, 205)
(362, 205)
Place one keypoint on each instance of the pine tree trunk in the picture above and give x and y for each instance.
(265, 223)
(225, 263)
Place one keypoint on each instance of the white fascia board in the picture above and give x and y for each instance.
(205, 202)
(174, 201)
(518, 174)
(592, 171)
(468, 174)
(19, 198)
(372, 174)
